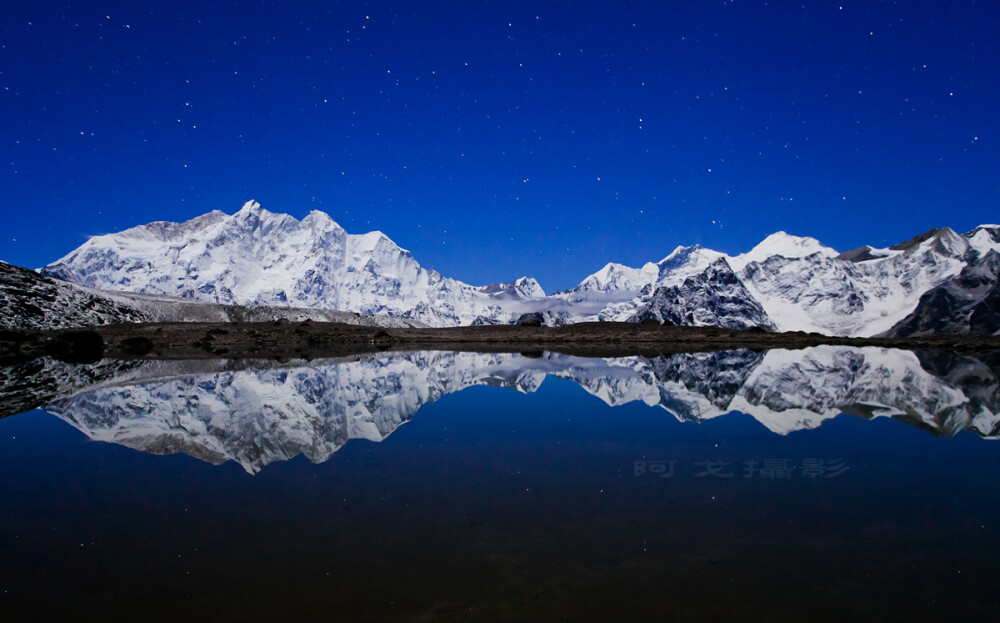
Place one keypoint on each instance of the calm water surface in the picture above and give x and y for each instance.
(826, 484)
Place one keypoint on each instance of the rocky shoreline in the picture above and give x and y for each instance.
(311, 340)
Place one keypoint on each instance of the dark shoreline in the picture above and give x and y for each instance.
(313, 340)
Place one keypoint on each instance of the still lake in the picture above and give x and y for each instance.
(824, 484)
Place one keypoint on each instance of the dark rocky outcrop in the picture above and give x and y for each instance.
(533, 319)
(29, 301)
(861, 254)
(715, 297)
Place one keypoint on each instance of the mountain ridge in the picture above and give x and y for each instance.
(260, 258)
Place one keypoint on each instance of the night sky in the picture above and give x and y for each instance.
(496, 139)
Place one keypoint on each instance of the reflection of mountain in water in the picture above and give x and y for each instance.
(256, 417)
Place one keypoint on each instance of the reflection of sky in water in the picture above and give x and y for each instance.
(514, 505)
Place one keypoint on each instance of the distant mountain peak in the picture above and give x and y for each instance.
(916, 240)
(943, 240)
(984, 238)
(523, 288)
(782, 244)
(681, 253)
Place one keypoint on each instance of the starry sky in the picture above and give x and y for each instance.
(498, 139)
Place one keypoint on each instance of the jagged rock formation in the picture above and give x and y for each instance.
(713, 298)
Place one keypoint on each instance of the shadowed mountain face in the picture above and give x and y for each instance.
(220, 410)
(968, 303)
(716, 297)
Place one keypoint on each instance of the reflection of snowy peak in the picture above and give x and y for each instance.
(256, 417)
(257, 257)
(795, 390)
(27, 384)
(791, 390)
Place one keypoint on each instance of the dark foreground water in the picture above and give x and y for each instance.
(516, 493)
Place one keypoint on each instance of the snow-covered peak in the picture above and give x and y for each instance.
(251, 212)
(951, 243)
(367, 243)
(524, 288)
(866, 253)
(684, 262)
(318, 218)
(680, 252)
(943, 241)
(616, 276)
(614, 282)
(862, 292)
(251, 206)
(528, 288)
(604, 276)
(369, 240)
(984, 239)
(163, 231)
(782, 244)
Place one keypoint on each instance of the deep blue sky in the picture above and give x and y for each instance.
(495, 139)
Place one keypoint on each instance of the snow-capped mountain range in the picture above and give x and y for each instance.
(255, 257)
(31, 301)
(785, 283)
(258, 416)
